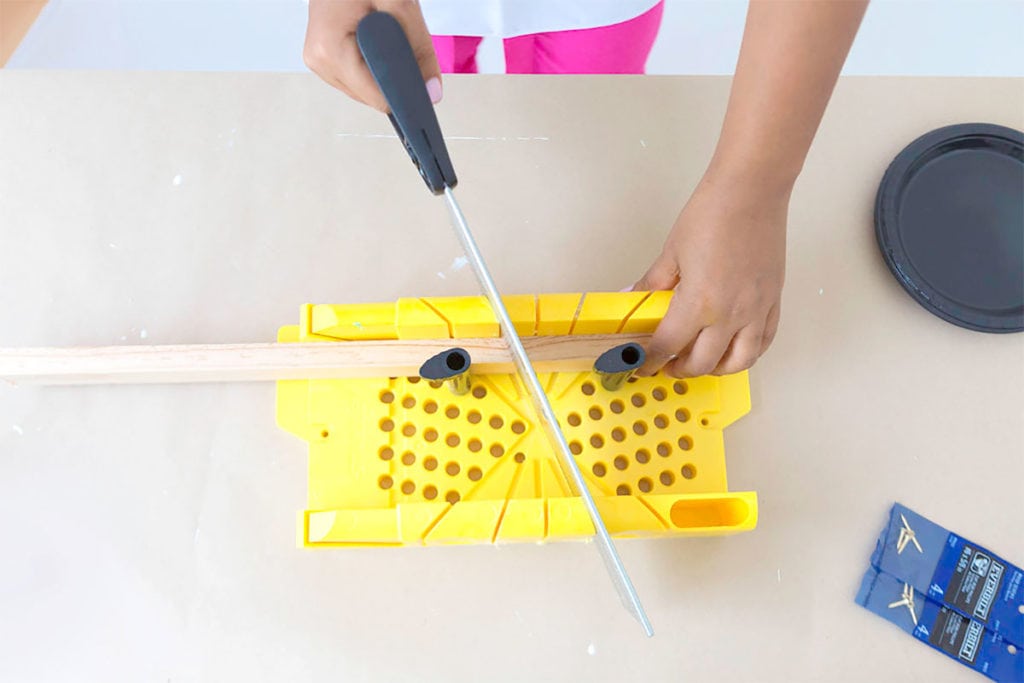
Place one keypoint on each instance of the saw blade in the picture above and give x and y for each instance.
(546, 415)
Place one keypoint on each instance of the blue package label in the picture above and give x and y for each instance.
(951, 570)
(975, 581)
(956, 635)
(961, 638)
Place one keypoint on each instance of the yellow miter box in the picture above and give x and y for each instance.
(400, 461)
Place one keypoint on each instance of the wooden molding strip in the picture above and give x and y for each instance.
(16, 18)
(275, 361)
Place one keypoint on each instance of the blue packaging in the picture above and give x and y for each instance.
(949, 569)
(963, 639)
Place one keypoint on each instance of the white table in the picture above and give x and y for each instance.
(149, 532)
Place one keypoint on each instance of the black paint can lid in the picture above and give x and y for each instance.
(949, 218)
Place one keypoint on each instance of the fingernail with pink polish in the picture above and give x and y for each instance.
(434, 89)
(627, 289)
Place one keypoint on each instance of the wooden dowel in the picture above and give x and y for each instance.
(265, 362)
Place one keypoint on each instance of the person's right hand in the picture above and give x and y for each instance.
(331, 50)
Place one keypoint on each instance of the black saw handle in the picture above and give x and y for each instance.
(387, 52)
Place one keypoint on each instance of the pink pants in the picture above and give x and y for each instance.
(616, 49)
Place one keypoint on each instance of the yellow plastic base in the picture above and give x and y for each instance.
(400, 461)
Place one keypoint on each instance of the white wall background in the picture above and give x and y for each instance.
(899, 37)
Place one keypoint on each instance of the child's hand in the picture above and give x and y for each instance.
(332, 52)
(726, 253)
(725, 258)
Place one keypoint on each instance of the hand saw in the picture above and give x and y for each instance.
(390, 59)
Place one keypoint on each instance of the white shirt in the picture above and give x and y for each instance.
(510, 18)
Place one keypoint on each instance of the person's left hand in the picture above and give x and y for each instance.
(725, 258)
